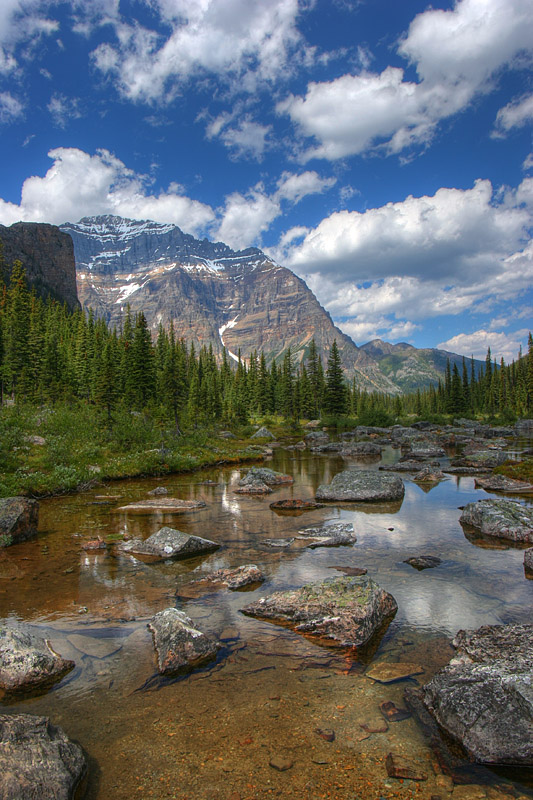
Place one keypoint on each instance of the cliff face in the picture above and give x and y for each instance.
(235, 300)
(47, 255)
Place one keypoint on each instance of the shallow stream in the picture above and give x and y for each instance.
(211, 735)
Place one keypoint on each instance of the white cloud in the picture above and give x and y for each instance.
(456, 54)
(514, 115)
(22, 21)
(247, 139)
(78, 184)
(10, 108)
(246, 217)
(62, 109)
(528, 162)
(476, 344)
(295, 187)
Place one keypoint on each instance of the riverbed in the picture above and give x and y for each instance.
(214, 734)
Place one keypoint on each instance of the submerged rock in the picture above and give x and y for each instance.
(27, 661)
(483, 698)
(19, 518)
(346, 611)
(179, 645)
(398, 766)
(390, 672)
(354, 485)
(235, 578)
(278, 543)
(166, 505)
(504, 519)
(169, 543)
(268, 476)
(38, 760)
(423, 562)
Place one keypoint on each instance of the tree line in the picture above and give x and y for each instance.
(49, 353)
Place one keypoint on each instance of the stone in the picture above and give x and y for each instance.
(227, 435)
(337, 540)
(281, 763)
(94, 544)
(424, 450)
(263, 433)
(423, 562)
(268, 476)
(315, 438)
(102, 647)
(483, 698)
(409, 465)
(27, 661)
(351, 570)
(158, 491)
(361, 449)
(344, 611)
(392, 713)
(388, 672)
(328, 734)
(326, 531)
(19, 518)
(504, 519)
(295, 505)
(235, 578)
(180, 647)
(429, 475)
(374, 725)
(528, 559)
(167, 505)
(281, 543)
(38, 760)
(500, 483)
(254, 487)
(353, 485)
(169, 543)
(486, 459)
(400, 767)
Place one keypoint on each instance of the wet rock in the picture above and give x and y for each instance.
(295, 505)
(346, 611)
(354, 485)
(423, 562)
(326, 531)
(236, 578)
(268, 476)
(263, 433)
(500, 483)
(38, 760)
(281, 763)
(169, 543)
(483, 698)
(400, 767)
(27, 661)
(409, 465)
(388, 672)
(426, 450)
(278, 543)
(351, 570)
(94, 544)
(486, 459)
(163, 504)
(429, 475)
(158, 491)
(19, 518)
(374, 725)
(328, 734)
(328, 447)
(315, 438)
(255, 487)
(528, 559)
(298, 446)
(504, 519)
(179, 645)
(392, 713)
(337, 540)
(524, 427)
(361, 449)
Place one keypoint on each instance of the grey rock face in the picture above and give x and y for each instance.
(37, 760)
(27, 661)
(484, 697)
(504, 519)
(268, 476)
(179, 645)
(345, 611)
(170, 543)
(19, 518)
(362, 486)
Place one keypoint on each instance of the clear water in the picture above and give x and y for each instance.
(213, 733)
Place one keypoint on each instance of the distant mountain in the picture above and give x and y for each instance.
(240, 301)
(411, 368)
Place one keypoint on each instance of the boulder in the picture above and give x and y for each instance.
(335, 540)
(263, 433)
(235, 578)
(524, 427)
(315, 438)
(409, 465)
(268, 476)
(38, 760)
(345, 611)
(528, 559)
(19, 518)
(361, 449)
(424, 450)
(429, 475)
(483, 698)
(159, 491)
(255, 487)
(27, 661)
(504, 519)
(180, 647)
(326, 531)
(295, 505)
(362, 486)
(169, 543)
(482, 459)
(500, 483)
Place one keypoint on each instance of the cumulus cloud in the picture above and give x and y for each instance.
(296, 187)
(456, 54)
(78, 184)
(514, 115)
(502, 345)
(247, 139)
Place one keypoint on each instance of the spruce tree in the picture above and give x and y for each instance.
(335, 394)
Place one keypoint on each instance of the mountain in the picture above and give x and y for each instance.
(47, 254)
(238, 300)
(412, 368)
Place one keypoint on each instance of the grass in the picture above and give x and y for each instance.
(519, 470)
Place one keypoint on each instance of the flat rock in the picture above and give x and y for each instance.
(96, 648)
(169, 543)
(487, 459)
(374, 725)
(392, 713)
(19, 518)
(281, 543)
(337, 540)
(295, 505)
(235, 578)
(325, 531)
(166, 505)
(328, 734)
(400, 767)
(361, 449)
(180, 647)
(387, 672)
(281, 763)
(504, 519)
(38, 760)
(484, 697)
(353, 485)
(500, 483)
(255, 487)
(351, 570)
(423, 562)
(268, 476)
(346, 611)
(27, 661)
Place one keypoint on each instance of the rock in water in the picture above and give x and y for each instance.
(268, 476)
(19, 518)
(504, 519)
(347, 611)
(354, 485)
(528, 559)
(423, 562)
(235, 578)
(37, 760)
(484, 697)
(170, 543)
(27, 661)
(179, 645)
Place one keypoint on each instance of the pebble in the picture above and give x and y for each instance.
(328, 734)
(281, 763)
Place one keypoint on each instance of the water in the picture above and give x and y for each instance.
(212, 734)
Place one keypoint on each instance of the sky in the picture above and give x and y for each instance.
(382, 150)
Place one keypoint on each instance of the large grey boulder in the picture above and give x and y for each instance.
(528, 559)
(500, 483)
(27, 661)
(263, 433)
(482, 459)
(179, 645)
(170, 543)
(484, 697)
(38, 760)
(504, 519)
(354, 485)
(19, 517)
(345, 611)
(268, 476)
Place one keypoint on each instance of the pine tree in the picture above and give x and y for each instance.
(335, 395)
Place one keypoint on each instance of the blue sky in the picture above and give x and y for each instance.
(380, 149)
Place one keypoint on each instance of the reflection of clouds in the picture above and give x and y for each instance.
(448, 606)
(230, 502)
